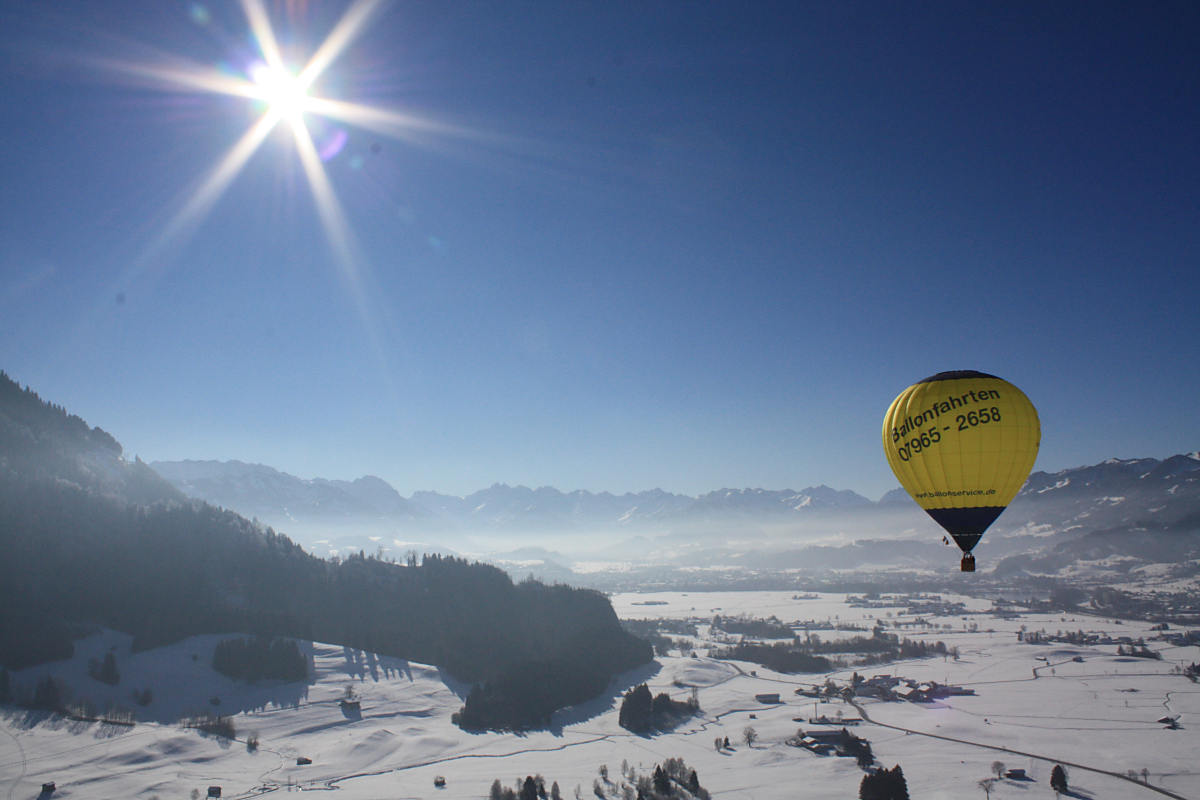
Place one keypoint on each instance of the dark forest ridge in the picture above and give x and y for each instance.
(92, 540)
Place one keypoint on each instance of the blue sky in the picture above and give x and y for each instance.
(641, 244)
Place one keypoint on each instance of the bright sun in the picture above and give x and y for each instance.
(283, 92)
(288, 97)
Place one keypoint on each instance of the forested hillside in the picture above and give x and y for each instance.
(85, 552)
(40, 440)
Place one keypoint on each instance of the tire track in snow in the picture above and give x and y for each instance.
(13, 786)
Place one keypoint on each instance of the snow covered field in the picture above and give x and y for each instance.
(1034, 706)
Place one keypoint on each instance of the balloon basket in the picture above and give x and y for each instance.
(968, 563)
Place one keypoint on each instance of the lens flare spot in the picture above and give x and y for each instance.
(199, 14)
(332, 144)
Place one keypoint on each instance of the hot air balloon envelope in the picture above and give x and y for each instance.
(962, 444)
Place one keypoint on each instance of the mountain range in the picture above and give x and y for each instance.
(278, 498)
(1111, 492)
(1116, 505)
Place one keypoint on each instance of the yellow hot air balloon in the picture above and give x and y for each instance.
(962, 444)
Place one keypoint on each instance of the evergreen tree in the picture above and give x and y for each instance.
(1058, 779)
(47, 695)
(899, 786)
(869, 789)
(108, 670)
(865, 757)
(5, 686)
(529, 789)
(637, 710)
(662, 784)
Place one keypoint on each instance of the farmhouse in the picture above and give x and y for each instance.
(823, 742)
(818, 747)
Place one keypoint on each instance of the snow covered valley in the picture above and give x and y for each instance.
(1084, 705)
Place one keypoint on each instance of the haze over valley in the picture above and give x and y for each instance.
(1128, 519)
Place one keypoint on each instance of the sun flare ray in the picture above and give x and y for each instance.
(180, 75)
(393, 124)
(219, 179)
(333, 220)
(343, 34)
(260, 27)
(338, 233)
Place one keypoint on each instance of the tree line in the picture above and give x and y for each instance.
(672, 779)
(260, 658)
(802, 655)
(884, 784)
(642, 713)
